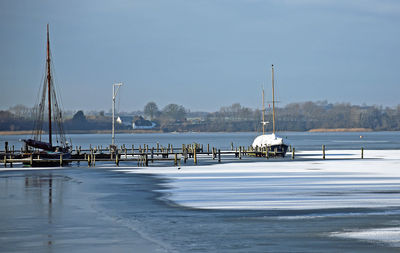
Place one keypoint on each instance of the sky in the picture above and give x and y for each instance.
(202, 54)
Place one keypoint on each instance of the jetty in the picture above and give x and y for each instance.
(142, 155)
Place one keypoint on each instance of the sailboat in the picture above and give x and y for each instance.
(51, 148)
(274, 144)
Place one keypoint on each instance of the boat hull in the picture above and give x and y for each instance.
(278, 150)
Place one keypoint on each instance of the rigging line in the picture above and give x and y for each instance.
(54, 77)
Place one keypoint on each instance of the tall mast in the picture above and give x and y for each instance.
(263, 112)
(49, 82)
(114, 95)
(273, 101)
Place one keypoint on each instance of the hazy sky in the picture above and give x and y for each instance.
(201, 54)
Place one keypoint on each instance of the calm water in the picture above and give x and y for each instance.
(97, 209)
(300, 140)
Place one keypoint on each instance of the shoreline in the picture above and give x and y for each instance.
(316, 130)
(327, 130)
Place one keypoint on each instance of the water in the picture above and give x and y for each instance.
(300, 140)
(98, 209)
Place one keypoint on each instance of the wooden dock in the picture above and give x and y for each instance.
(142, 155)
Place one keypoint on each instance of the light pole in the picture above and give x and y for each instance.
(114, 94)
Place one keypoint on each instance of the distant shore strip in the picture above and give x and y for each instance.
(316, 130)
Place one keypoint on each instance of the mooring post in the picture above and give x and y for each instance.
(158, 147)
(267, 152)
(293, 150)
(176, 159)
(213, 153)
(6, 147)
(231, 146)
(126, 154)
(323, 152)
(184, 155)
(146, 160)
(240, 153)
(61, 160)
(94, 159)
(195, 156)
(116, 159)
(5, 161)
(362, 153)
(152, 155)
(88, 160)
(31, 160)
(208, 149)
(219, 155)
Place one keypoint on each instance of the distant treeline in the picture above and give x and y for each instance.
(293, 117)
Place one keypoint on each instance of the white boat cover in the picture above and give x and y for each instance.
(267, 140)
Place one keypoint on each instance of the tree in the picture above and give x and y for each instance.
(79, 117)
(174, 112)
(151, 110)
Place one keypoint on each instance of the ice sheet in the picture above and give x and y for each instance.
(343, 182)
(389, 236)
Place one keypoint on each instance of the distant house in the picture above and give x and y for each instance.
(125, 120)
(140, 123)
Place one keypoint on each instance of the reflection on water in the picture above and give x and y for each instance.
(43, 183)
(31, 202)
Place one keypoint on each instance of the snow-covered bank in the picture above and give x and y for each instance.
(343, 182)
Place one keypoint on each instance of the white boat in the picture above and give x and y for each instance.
(274, 144)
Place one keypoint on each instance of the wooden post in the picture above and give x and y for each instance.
(176, 160)
(184, 155)
(240, 153)
(293, 150)
(208, 149)
(6, 147)
(231, 146)
(31, 160)
(362, 153)
(195, 156)
(88, 160)
(5, 161)
(116, 159)
(146, 160)
(323, 152)
(219, 155)
(126, 154)
(158, 147)
(94, 160)
(213, 153)
(152, 155)
(61, 160)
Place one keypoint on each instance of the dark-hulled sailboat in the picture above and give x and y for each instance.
(52, 148)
